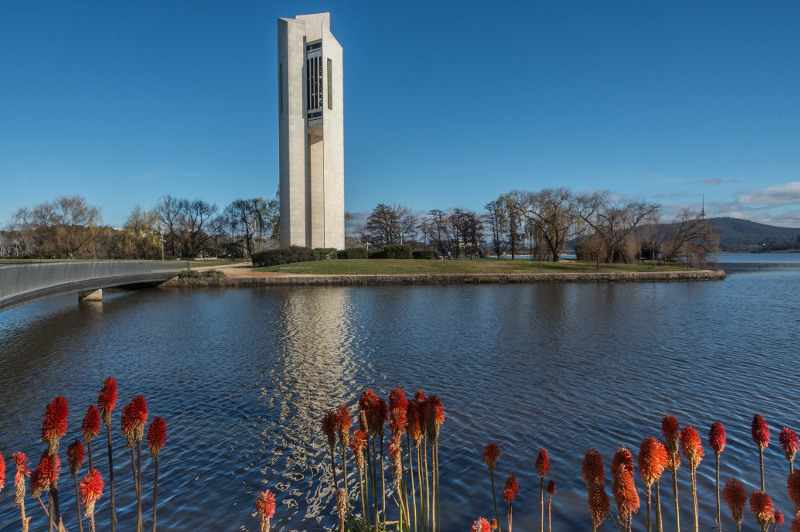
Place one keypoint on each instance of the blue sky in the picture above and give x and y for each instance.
(447, 104)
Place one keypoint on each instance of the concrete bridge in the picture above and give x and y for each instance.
(22, 282)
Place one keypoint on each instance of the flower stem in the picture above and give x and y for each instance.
(139, 520)
(694, 498)
(675, 495)
(494, 496)
(111, 480)
(659, 525)
(649, 523)
(761, 464)
(411, 472)
(155, 496)
(719, 513)
(541, 503)
(77, 501)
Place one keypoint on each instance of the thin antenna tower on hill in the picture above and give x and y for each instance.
(703, 209)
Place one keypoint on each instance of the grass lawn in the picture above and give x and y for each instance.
(463, 266)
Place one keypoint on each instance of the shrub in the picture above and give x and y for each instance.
(194, 274)
(377, 255)
(352, 253)
(428, 254)
(323, 254)
(394, 251)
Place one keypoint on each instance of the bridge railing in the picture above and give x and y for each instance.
(29, 280)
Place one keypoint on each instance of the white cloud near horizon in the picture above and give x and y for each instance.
(772, 196)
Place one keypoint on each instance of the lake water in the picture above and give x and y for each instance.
(243, 376)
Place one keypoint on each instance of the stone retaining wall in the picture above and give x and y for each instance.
(363, 280)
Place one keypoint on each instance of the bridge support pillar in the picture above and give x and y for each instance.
(91, 295)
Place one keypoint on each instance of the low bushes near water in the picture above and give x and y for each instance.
(206, 274)
(44, 477)
(411, 484)
(352, 253)
(290, 255)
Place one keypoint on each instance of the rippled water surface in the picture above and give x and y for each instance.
(243, 376)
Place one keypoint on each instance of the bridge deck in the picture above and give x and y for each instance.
(23, 282)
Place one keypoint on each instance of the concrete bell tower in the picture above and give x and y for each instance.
(311, 133)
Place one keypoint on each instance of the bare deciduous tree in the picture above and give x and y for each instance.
(388, 224)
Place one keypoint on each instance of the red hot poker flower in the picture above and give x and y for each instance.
(367, 404)
(265, 507)
(793, 488)
(47, 470)
(75, 456)
(716, 438)
(508, 495)
(265, 504)
(622, 457)
(397, 400)
(2, 472)
(778, 518)
(671, 432)
(481, 525)
(796, 523)
(598, 503)
(760, 431)
(329, 427)
(91, 423)
(624, 490)
(91, 488)
(542, 463)
(434, 416)
(55, 423)
(551, 488)
(491, 454)
(22, 464)
(789, 443)
(107, 399)
(414, 415)
(134, 418)
(653, 459)
(357, 444)
(736, 499)
(691, 445)
(511, 484)
(156, 436)
(593, 472)
(343, 424)
(761, 506)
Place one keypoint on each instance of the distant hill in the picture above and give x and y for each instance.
(738, 234)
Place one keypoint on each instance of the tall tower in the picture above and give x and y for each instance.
(311, 133)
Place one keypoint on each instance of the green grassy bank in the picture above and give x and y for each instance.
(453, 267)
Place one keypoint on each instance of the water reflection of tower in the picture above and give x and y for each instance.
(315, 343)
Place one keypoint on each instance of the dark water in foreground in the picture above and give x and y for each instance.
(243, 376)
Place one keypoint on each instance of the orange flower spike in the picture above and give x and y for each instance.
(357, 443)
(398, 400)
(55, 423)
(624, 490)
(75, 456)
(265, 507)
(47, 471)
(481, 525)
(542, 463)
(671, 432)
(778, 518)
(796, 523)
(91, 489)
(551, 488)
(793, 488)
(107, 399)
(716, 438)
(91, 423)
(789, 443)
(598, 503)
(343, 424)
(653, 459)
(623, 457)
(691, 445)
(761, 506)
(329, 427)
(760, 431)
(2, 472)
(21, 461)
(491, 454)
(511, 484)
(156, 436)
(736, 499)
(592, 470)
